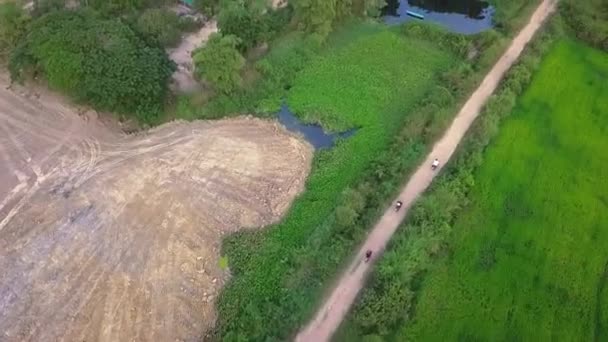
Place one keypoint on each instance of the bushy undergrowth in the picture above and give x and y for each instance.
(510, 15)
(588, 20)
(384, 310)
(99, 61)
(279, 271)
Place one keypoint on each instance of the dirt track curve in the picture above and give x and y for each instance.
(113, 237)
(335, 308)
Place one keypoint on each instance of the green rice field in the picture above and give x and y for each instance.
(529, 254)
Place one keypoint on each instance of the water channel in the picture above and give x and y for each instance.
(461, 16)
(314, 134)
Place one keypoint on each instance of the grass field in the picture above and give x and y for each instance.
(528, 259)
(369, 80)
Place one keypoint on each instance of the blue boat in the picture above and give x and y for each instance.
(414, 14)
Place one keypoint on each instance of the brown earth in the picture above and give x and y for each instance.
(113, 237)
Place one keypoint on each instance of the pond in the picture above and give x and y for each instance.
(461, 16)
(314, 134)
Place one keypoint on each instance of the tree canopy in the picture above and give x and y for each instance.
(99, 61)
(220, 62)
(161, 25)
(13, 24)
(246, 20)
(320, 16)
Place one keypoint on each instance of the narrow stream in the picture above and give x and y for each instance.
(314, 134)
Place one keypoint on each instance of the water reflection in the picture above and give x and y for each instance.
(314, 134)
(462, 16)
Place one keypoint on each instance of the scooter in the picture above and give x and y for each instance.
(368, 255)
(435, 164)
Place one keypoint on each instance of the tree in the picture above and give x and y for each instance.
(316, 16)
(160, 25)
(244, 20)
(99, 61)
(320, 16)
(207, 7)
(220, 62)
(13, 24)
(45, 6)
(373, 8)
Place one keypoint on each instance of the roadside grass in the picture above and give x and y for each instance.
(527, 260)
(371, 79)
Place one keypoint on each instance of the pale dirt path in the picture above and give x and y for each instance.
(183, 77)
(335, 308)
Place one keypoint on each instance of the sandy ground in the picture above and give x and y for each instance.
(336, 306)
(113, 237)
(183, 78)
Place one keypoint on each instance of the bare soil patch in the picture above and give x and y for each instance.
(113, 237)
(183, 77)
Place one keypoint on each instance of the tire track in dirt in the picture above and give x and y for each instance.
(109, 237)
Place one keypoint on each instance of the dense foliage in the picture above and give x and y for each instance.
(122, 7)
(220, 62)
(99, 61)
(361, 84)
(509, 15)
(430, 241)
(160, 25)
(245, 20)
(13, 25)
(207, 7)
(321, 16)
(588, 20)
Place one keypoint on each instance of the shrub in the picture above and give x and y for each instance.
(13, 25)
(207, 7)
(588, 20)
(160, 25)
(243, 21)
(220, 62)
(98, 61)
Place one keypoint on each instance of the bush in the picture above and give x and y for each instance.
(160, 25)
(42, 7)
(98, 61)
(207, 7)
(13, 25)
(588, 20)
(244, 21)
(220, 63)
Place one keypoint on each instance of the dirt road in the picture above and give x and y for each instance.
(183, 77)
(113, 237)
(331, 314)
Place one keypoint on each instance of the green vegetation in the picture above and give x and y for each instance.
(588, 19)
(278, 270)
(246, 20)
(321, 16)
(512, 14)
(208, 7)
(13, 25)
(525, 264)
(519, 261)
(160, 25)
(95, 60)
(220, 63)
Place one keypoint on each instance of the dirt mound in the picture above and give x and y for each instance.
(110, 237)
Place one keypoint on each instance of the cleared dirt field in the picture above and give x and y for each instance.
(109, 237)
